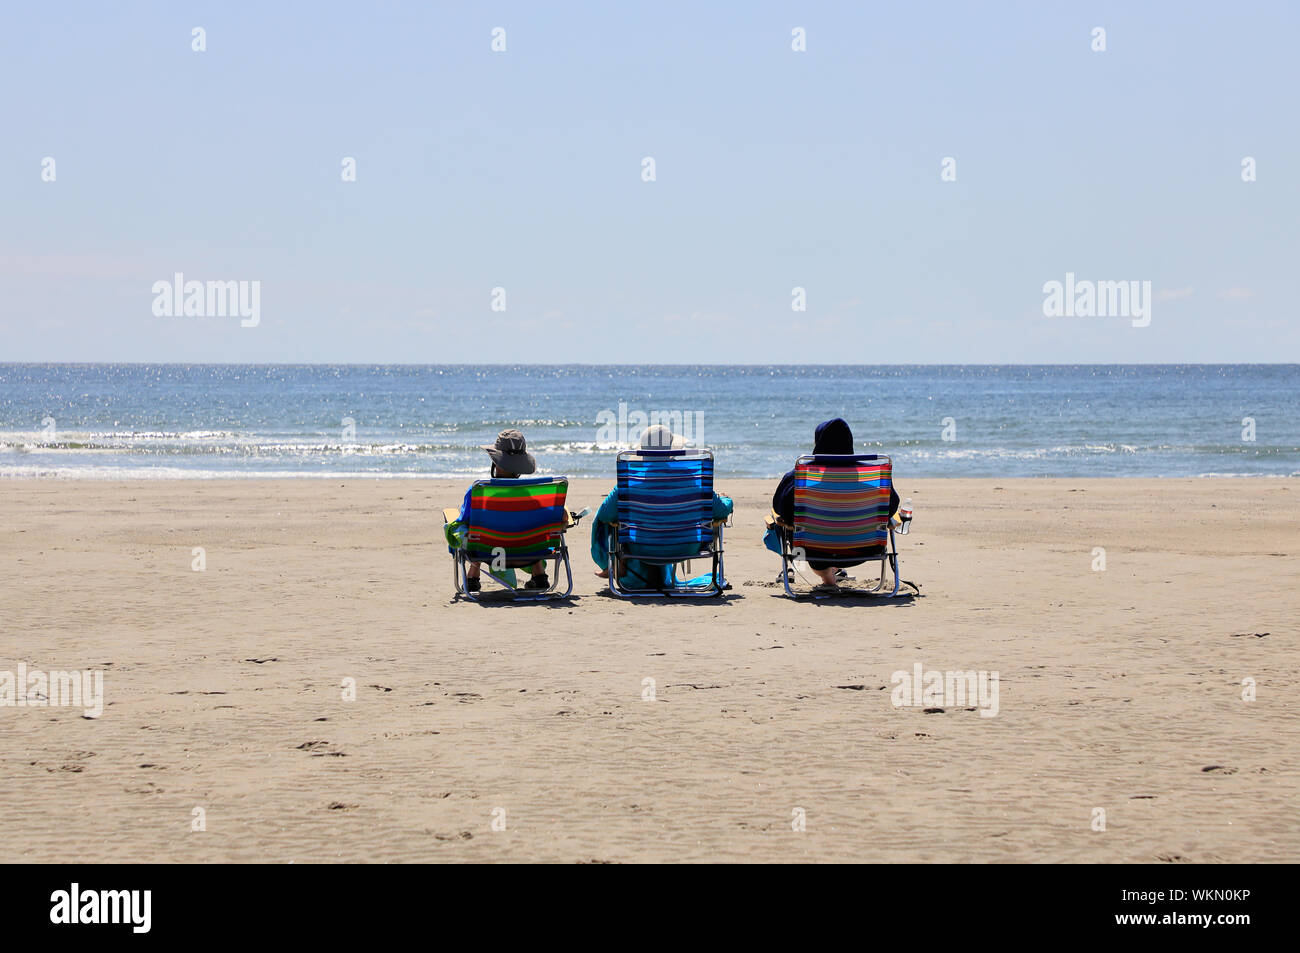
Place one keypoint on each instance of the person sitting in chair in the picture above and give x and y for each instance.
(832, 437)
(642, 575)
(510, 461)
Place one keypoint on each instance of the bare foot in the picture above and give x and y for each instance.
(602, 573)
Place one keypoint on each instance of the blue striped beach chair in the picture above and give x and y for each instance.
(841, 518)
(513, 524)
(665, 518)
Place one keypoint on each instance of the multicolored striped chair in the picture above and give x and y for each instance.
(841, 518)
(665, 517)
(513, 524)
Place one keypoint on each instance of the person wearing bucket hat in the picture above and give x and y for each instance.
(657, 437)
(510, 460)
(510, 456)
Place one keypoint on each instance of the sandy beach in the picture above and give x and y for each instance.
(1120, 690)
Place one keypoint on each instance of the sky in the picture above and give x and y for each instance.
(524, 169)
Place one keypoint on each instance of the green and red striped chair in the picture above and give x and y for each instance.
(512, 524)
(841, 518)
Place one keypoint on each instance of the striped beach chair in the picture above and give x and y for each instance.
(841, 518)
(513, 524)
(665, 518)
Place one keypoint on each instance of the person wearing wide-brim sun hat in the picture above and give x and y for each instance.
(510, 460)
(510, 456)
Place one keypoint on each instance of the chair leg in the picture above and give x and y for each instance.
(893, 561)
(720, 567)
(879, 584)
(787, 567)
(616, 587)
(568, 572)
(719, 574)
(719, 563)
(717, 577)
(462, 581)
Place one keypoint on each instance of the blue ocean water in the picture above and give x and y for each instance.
(116, 420)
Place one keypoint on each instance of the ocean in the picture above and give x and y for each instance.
(207, 421)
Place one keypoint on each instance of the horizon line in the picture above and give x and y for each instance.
(644, 364)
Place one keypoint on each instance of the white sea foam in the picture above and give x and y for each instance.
(183, 473)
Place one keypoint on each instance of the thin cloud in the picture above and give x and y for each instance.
(62, 265)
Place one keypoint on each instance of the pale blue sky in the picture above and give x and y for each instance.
(775, 169)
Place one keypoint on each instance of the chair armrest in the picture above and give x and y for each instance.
(774, 520)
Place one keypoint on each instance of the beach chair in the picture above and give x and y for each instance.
(665, 519)
(841, 517)
(511, 525)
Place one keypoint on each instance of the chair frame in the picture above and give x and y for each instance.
(713, 552)
(889, 559)
(559, 555)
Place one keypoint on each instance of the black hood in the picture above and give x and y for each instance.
(833, 437)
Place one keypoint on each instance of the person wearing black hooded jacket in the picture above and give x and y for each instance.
(832, 437)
